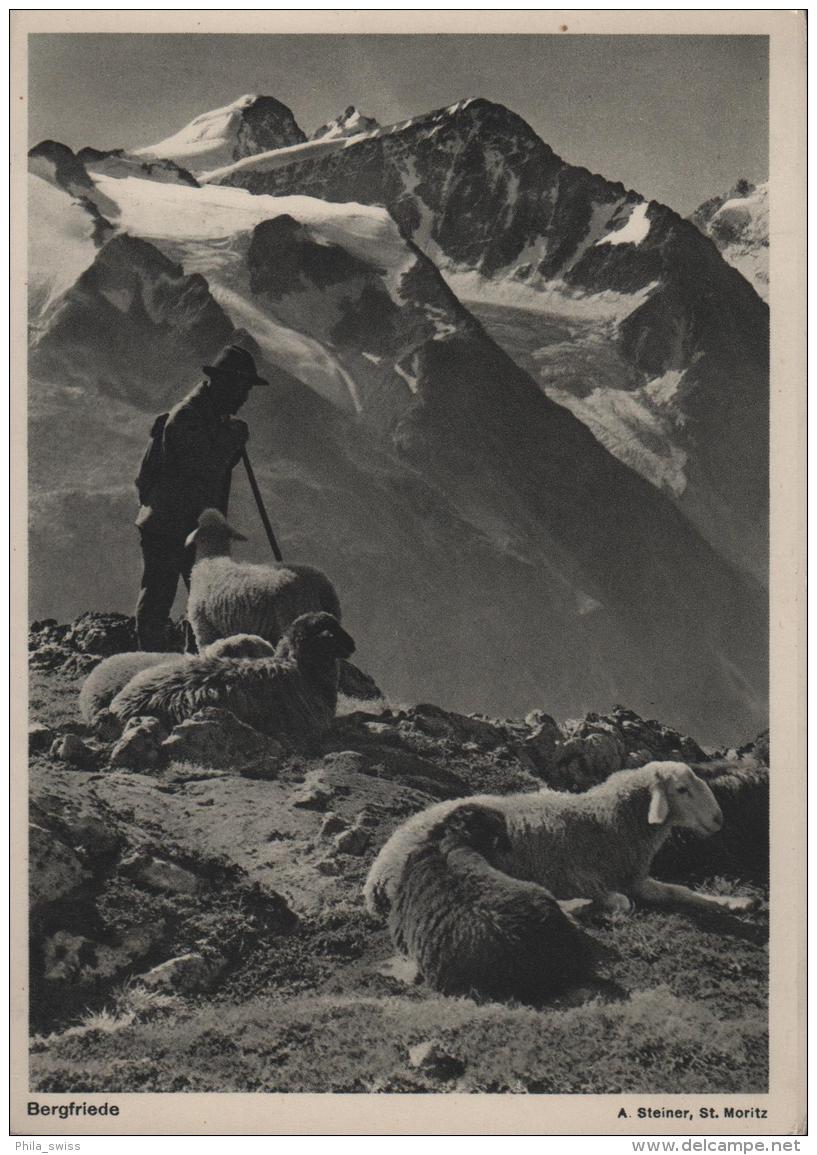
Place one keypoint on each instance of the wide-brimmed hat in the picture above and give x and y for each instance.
(236, 362)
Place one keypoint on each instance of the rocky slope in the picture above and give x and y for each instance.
(487, 548)
(672, 344)
(738, 223)
(217, 880)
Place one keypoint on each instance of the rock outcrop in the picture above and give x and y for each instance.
(80, 645)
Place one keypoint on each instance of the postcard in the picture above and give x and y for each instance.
(409, 541)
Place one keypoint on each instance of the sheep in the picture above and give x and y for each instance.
(229, 597)
(291, 694)
(106, 680)
(598, 845)
(475, 931)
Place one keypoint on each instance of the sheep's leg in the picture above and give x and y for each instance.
(610, 902)
(655, 893)
(613, 902)
(205, 633)
(576, 906)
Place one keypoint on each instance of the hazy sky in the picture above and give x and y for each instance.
(678, 118)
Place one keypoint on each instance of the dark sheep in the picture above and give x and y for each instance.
(476, 931)
(292, 694)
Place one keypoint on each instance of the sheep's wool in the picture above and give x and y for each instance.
(230, 597)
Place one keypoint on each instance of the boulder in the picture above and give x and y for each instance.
(70, 748)
(583, 752)
(757, 750)
(185, 974)
(103, 634)
(46, 632)
(538, 749)
(354, 841)
(140, 746)
(65, 957)
(77, 819)
(74, 959)
(78, 647)
(216, 738)
(159, 874)
(383, 731)
(459, 728)
(367, 817)
(40, 738)
(409, 768)
(587, 758)
(315, 793)
(332, 824)
(433, 1059)
(662, 743)
(345, 762)
(55, 870)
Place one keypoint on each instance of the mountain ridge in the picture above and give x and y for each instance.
(510, 224)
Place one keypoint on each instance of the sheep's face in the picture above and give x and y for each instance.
(323, 635)
(679, 798)
(214, 533)
(477, 827)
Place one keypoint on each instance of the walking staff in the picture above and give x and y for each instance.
(259, 501)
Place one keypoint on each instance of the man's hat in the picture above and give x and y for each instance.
(235, 362)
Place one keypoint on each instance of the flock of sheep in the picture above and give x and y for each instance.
(480, 891)
(269, 640)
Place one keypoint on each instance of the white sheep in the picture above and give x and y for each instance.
(230, 597)
(473, 930)
(292, 694)
(111, 675)
(598, 845)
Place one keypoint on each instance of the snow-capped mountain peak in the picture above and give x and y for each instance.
(349, 123)
(249, 125)
(738, 223)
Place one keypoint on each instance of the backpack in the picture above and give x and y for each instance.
(151, 466)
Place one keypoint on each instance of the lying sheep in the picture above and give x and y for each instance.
(473, 930)
(291, 694)
(229, 597)
(598, 845)
(106, 680)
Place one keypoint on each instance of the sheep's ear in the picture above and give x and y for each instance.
(236, 536)
(659, 806)
(191, 539)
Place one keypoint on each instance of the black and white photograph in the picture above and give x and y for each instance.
(397, 414)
